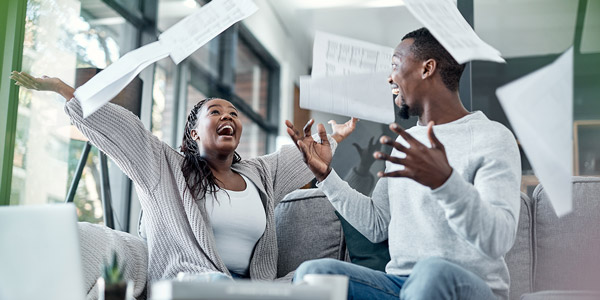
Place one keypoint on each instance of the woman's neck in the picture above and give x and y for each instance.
(220, 164)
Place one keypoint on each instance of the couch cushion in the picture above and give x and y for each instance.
(97, 243)
(568, 248)
(307, 228)
(361, 251)
(520, 258)
(562, 295)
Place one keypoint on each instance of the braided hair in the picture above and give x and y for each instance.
(198, 175)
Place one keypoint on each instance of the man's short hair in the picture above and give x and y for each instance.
(426, 47)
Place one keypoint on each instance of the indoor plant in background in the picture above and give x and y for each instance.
(112, 284)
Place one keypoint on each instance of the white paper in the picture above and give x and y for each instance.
(338, 55)
(364, 96)
(444, 21)
(539, 107)
(179, 41)
(197, 29)
(105, 85)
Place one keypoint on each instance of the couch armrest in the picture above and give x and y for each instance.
(97, 243)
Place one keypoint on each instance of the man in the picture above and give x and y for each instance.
(448, 202)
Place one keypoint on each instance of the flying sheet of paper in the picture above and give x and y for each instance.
(338, 55)
(364, 96)
(539, 107)
(197, 29)
(179, 41)
(444, 21)
(105, 85)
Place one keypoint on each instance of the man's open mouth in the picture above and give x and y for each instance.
(395, 89)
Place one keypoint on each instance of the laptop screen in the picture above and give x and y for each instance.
(39, 253)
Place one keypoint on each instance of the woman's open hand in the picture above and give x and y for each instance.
(43, 83)
(342, 131)
(316, 155)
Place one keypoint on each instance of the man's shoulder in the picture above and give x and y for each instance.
(484, 127)
(492, 135)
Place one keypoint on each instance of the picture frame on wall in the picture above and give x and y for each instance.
(586, 143)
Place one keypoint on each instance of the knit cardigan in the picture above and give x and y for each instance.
(179, 235)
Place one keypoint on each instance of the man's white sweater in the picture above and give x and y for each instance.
(470, 220)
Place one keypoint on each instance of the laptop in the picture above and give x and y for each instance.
(39, 253)
(236, 290)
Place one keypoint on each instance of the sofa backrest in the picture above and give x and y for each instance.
(520, 258)
(567, 249)
(552, 253)
(307, 228)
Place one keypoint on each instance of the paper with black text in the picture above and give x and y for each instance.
(197, 29)
(179, 41)
(105, 85)
(444, 21)
(539, 107)
(364, 96)
(338, 55)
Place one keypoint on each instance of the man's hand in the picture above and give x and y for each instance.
(43, 83)
(342, 131)
(427, 166)
(316, 155)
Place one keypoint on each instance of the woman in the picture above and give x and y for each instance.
(208, 210)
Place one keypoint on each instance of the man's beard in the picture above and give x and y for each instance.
(404, 111)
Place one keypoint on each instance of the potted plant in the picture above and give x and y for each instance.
(112, 285)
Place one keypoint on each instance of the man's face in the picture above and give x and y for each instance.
(404, 79)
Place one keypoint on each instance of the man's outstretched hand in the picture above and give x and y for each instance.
(427, 166)
(316, 155)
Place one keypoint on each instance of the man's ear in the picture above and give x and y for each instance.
(194, 135)
(429, 68)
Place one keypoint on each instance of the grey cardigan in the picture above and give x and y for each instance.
(179, 237)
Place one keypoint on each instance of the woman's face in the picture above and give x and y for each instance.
(218, 128)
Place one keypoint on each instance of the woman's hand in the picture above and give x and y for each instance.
(316, 155)
(342, 131)
(43, 83)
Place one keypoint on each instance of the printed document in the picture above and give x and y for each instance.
(364, 96)
(178, 42)
(197, 29)
(444, 21)
(349, 78)
(539, 107)
(338, 55)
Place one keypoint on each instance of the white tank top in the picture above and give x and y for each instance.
(238, 222)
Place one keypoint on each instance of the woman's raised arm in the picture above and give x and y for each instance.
(113, 129)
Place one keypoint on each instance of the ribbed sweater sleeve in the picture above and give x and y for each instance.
(288, 169)
(122, 136)
(369, 215)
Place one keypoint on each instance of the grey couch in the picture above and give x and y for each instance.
(552, 258)
(558, 258)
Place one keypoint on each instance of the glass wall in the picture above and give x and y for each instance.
(62, 36)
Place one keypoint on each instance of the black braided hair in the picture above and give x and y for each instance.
(198, 175)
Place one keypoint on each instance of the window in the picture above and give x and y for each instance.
(61, 36)
(233, 66)
(251, 79)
